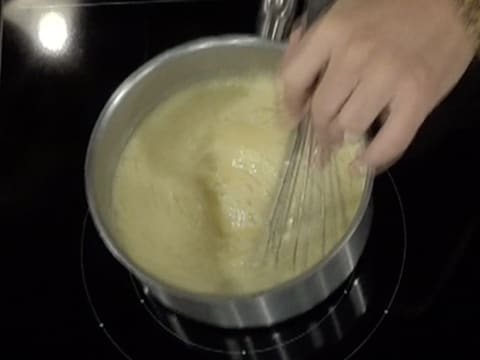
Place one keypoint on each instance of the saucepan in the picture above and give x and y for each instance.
(142, 91)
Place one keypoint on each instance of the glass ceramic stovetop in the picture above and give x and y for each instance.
(414, 294)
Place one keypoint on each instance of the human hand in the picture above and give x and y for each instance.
(398, 58)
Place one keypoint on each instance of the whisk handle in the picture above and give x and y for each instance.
(275, 18)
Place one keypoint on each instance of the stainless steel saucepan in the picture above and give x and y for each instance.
(144, 90)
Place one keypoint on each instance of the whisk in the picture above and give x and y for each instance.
(293, 194)
(306, 191)
(296, 195)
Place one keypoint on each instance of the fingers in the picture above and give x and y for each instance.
(301, 70)
(372, 95)
(395, 135)
(293, 41)
(352, 88)
(333, 91)
(296, 34)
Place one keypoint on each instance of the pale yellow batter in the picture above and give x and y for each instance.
(195, 185)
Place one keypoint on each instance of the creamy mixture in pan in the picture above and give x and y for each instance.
(195, 184)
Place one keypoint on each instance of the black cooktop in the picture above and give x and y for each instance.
(414, 293)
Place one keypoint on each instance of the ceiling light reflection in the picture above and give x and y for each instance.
(53, 32)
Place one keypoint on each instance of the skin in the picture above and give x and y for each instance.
(396, 59)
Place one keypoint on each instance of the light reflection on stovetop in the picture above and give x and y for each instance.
(338, 327)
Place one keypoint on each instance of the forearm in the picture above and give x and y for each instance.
(470, 11)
